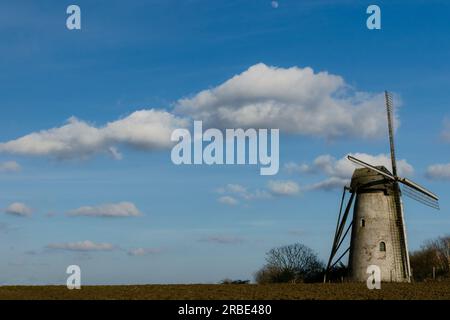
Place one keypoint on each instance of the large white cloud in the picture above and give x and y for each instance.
(295, 100)
(86, 245)
(339, 171)
(144, 129)
(19, 209)
(121, 209)
(438, 172)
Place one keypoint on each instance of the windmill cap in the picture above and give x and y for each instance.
(370, 180)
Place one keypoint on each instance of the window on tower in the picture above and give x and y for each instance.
(382, 246)
(363, 223)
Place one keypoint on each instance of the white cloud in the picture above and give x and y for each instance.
(237, 190)
(144, 129)
(292, 167)
(121, 209)
(340, 171)
(274, 188)
(228, 200)
(438, 172)
(9, 166)
(343, 168)
(329, 184)
(283, 188)
(295, 100)
(139, 252)
(115, 153)
(82, 246)
(19, 209)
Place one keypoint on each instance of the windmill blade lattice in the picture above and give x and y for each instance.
(419, 196)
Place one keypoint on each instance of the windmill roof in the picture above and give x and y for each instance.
(371, 180)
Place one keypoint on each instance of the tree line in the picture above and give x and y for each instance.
(297, 263)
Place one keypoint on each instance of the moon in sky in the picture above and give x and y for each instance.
(275, 4)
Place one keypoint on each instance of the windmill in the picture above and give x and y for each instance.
(378, 235)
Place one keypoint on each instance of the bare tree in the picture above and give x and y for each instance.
(291, 263)
(434, 254)
(441, 248)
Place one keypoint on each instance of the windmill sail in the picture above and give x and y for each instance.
(399, 220)
(390, 115)
(410, 188)
(420, 197)
(418, 188)
(369, 166)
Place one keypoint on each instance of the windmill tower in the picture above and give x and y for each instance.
(378, 234)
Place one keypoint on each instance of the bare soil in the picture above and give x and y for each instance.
(334, 291)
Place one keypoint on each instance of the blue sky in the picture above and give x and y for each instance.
(149, 55)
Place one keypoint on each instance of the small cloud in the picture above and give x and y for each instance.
(236, 188)
(82, 246)
(283, 188)
(19, 209)
(343, 168)
(10, 166)
(438, 172)
(292, 167)
(139, 252)
(338, 172)
(222, 239)
(230, 201)
(329, 184)
(121, 209)
(238, 191)
(115, 153)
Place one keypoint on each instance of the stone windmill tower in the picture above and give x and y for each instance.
(378, 235)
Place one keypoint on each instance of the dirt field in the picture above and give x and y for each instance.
(417, 291)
